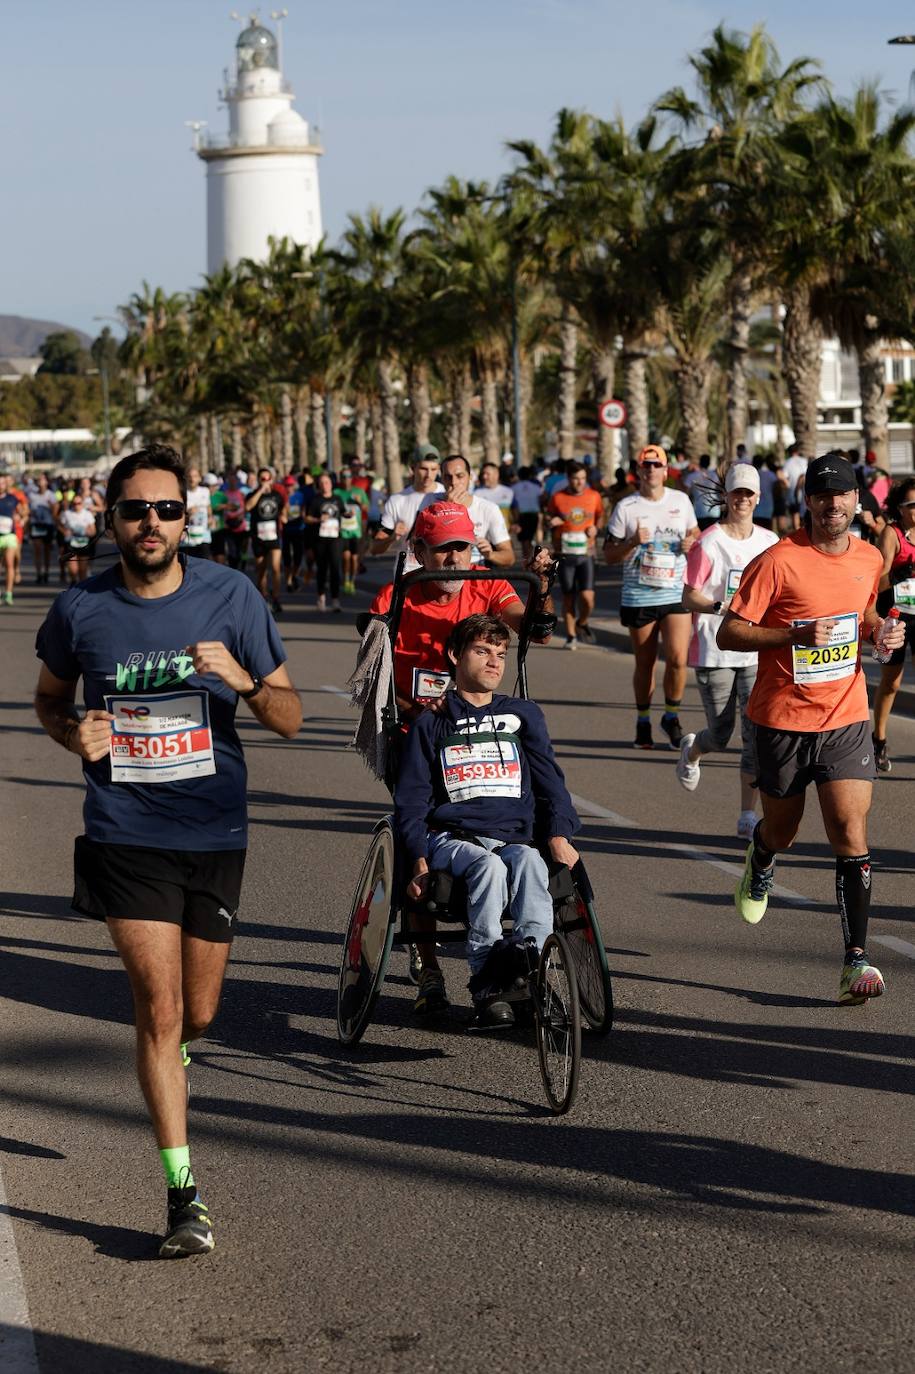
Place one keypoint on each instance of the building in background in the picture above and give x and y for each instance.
(262, 176)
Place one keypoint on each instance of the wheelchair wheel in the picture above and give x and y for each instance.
(369, 937)
(558, 1023)
(577, 920)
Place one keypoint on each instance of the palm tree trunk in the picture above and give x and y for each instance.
(460, 396)
(693, 378)
(527, 396)
(420, 403)
(606, 444)
(318, 432)
(874, 411)
(489, 408)
(737, 410)
(361, 428)
(377, 438)
(635, 387)
(238, 444)
(391, 438)
(568, 382)
(217, 456)
(803, 345)
(300, 419)
(286, 429)
(202, 444)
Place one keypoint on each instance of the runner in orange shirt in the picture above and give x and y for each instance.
(805, 605)
(576, 513)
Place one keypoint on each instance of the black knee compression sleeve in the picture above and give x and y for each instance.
(853, 894)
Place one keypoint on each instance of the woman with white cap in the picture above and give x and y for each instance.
(713, 570)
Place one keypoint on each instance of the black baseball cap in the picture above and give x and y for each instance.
(829, 473)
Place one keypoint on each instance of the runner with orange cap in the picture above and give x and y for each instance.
(650, 533)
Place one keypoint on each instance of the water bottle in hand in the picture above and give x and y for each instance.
(882, 654)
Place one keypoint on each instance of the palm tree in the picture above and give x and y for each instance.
(365, 296)
(744, 98)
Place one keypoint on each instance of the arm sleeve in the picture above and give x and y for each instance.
(616, 528)
(498, 530)
(502, 594)
(382, 603)
(414, 793)
(259, 645)
(555, 814)
(698, 567)
(54, 641)
(759, 587)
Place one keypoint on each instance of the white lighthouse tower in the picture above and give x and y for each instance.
(262, 176)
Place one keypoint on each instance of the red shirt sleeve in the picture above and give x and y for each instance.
(382, 603)
(502, 594)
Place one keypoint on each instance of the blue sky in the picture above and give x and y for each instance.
(100, 189)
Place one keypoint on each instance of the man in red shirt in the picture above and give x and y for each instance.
(443, 539)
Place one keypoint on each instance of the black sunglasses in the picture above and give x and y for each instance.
(136, 510)
(906, 505)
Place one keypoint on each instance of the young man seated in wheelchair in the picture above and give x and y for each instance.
(479, 788)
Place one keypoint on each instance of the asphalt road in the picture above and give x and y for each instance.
(730, 1192)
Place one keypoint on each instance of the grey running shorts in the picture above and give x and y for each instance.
(788, 761)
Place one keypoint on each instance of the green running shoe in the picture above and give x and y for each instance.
(752, 895)
(860, 982)
(188, 1230)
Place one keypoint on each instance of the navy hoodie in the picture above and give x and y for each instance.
(489, 770)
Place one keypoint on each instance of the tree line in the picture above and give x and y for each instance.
(692, 264)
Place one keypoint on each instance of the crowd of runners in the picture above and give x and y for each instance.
(773, 613)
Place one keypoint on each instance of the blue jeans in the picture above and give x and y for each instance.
(516, 877)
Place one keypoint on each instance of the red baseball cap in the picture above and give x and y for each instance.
(444, 522)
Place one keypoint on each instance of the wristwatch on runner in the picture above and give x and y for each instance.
(716, 607)
(258, 682)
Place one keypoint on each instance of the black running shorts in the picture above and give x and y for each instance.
(528, 521)
(196, 890)
(637, 617)
(262, 547)
(576, 573)
(788, 761)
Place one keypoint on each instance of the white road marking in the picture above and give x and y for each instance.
(17, 1344)
(891, 942)
(590, 808)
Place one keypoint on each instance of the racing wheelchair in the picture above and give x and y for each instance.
(569, 980)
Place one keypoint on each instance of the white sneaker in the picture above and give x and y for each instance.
(322, 602)
(571, 643)
(688, 774)
(746, 824)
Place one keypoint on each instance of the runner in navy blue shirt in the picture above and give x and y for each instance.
(164, 645)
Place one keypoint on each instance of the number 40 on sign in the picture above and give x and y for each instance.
(612, 414)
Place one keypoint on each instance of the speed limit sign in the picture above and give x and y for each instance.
(612, 414)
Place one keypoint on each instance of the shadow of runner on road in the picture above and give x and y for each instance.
(117, 1242)
(65, 1354)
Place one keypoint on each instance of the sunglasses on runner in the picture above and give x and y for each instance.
(907, 505)
(652, 465)
(136, 509)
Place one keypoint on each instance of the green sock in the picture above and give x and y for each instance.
(671, 708)
(176, 1161)
(643, 712)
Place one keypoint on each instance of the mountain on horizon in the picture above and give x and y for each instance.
(21, 337)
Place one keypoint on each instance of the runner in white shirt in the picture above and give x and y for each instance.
(724, 677)
(77, 524)
(199, 517)
(794, 469)
(494, 545)
(401, 509)
(491, 489)
(650, 533)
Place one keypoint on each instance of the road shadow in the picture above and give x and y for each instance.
(25, 1147)
(67, 1355)
(117, 1242)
